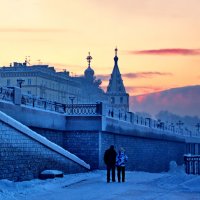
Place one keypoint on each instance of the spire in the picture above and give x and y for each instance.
(116, 83)
(89, 58)
(116, 58)
(116, 92)
(116, 51)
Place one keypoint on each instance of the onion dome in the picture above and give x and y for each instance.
(89, 72)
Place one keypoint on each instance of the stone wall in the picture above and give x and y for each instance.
(85, 145)
(23, 158)
(54, 136)
(145, 154)
(34, 117)
(89, 136)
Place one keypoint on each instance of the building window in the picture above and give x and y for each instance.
(112, 100)
(121, 100)
(199, 149)
(192, 148)
(187, 148)
(8, 82)
(29, 92)
(29, 81)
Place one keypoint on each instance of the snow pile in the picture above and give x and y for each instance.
(20, 190)
(53, 172)
(6, 185)
(174, 168)
(50, 174)
(92, 185)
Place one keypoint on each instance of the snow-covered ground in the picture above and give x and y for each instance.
(174, 185)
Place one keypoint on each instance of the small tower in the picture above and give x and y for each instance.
(89, 72)
(118, 98)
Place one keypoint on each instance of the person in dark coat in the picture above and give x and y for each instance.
(110, 159)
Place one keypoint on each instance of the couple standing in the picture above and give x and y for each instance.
(112, 159)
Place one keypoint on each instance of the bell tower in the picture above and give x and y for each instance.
(118, 98)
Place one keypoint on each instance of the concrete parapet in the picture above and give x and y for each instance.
(17, 95)
(24, 153)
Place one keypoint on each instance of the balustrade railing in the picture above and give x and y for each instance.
(158, 125)
(82, 109)
(192, 164)
(6, 94)
(69, 109)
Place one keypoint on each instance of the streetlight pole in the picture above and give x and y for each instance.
(20, 82)
(72, 102)
(172, 127)
(179, 124)
(198, 127)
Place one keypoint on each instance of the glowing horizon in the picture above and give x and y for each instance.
(158, 40)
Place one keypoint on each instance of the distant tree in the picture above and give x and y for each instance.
(171, 117)
(143, 114)
(97, 82)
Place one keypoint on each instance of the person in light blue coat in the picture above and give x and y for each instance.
(121, 159)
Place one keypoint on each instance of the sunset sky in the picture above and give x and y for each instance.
(158, 40)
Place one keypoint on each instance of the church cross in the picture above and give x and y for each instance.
(89, 58)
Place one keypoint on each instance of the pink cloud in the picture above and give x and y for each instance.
(136, 75)
(103, 77)
(171, 51)
(141, 98)
(137, 90)
(182, 101)
(146, 74)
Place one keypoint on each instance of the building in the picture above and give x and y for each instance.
(90, 86)
(116, 92)
(40, 81)
(44, 82)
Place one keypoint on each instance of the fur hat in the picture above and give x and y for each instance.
(122, 149)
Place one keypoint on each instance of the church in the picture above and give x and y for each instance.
(43, 81)
(116, 92)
